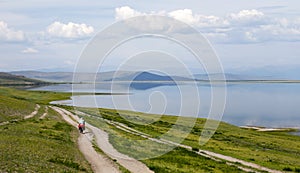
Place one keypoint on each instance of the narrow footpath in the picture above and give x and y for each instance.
(101, 163)
(241, 164)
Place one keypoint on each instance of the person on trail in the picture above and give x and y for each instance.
(81, 125)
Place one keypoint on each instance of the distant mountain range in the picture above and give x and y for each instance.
(230, 77)
(80, 77)
(126, 76)
(10, 79)
(282, 72)
(100, 77)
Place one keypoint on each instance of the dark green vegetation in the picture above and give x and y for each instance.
(40, 97)
(182, 160)
(36, 145)
(177, 160)
(12, 108)
(50, 144)
(275, 150)
(7, 79)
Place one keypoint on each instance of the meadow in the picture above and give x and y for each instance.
(49, 144)
(34, 144)
(276, 150)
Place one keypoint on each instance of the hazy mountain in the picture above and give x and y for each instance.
(46, 76)
(148, 76)
(275, 72)
(221, 76)
(103, 76)
(129, 76)
(68, 76)
(144, 76)
(10, 79)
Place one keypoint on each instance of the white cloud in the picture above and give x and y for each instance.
(30, 50)
(253, 26)
(185, 15)
(8, 34)
(248, 17)
(247, 14)
(212, 21)
(149, 23)
(281, 29)
(126, 12)
(245, 26)
(70, 30)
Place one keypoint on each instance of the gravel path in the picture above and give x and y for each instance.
(102, 141)
(36, 110)
(244, 165)
(129, 163)
(45, 114)
(99, 163)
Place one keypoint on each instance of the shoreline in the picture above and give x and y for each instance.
(291, 130)
(272, 129)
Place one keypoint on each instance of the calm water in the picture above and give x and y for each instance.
(260, 104)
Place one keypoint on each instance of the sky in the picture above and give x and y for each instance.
(257, 37)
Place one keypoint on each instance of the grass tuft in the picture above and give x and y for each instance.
(67, 162)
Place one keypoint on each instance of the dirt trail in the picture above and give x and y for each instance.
(242, 162)
(99, 163)
(45, 114)
(4, 123)
(102, 141)
(244, 165)
(36, 110)
(129, 163)
(106, 146)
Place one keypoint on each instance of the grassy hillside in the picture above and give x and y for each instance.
(11, 108)
(34, 144)
(275, 150)
(7, 79)
(43, 145)
(42, 97)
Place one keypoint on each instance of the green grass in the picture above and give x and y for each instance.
(40, 146)
(275, 150)
(34, 145)
(181, 160)
(41, 97)
(12, 108)
(15, 104)
(50, 144)
(177, 160)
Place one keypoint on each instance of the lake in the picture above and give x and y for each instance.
(258, 104)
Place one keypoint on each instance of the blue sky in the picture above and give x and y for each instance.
(247, 35)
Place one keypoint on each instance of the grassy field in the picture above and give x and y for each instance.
(276, 150)
(11, 108)
(41, 97)
(36, 145)
(177, 160)
(50, 144)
